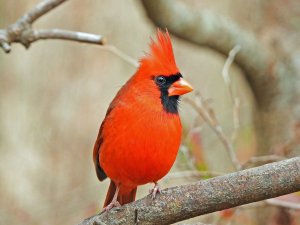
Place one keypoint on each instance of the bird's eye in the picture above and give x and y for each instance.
(160, 80)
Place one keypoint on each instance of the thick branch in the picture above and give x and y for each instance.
(223, 192)
(21, 31)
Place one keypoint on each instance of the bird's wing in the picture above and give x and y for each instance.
(100, 172)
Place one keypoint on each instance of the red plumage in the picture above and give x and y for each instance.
(161, 59)
(139, 138)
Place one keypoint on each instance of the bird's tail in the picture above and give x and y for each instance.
(122, 198)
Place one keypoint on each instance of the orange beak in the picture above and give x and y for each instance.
(180, 87)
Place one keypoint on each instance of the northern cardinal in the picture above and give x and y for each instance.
(140, 136)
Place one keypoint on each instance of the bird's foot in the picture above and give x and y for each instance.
(114, 203)
(156, 189)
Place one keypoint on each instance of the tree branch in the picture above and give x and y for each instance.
(234, 99)
(207, 196)
(22, 32)
(39, 10)
(34, 35)
(285, 204)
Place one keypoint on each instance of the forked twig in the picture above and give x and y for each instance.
(235, 100)
(208, 115)
(22, 32)
(116, 51)
(211, 120)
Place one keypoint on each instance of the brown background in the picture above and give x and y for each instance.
(54, 97)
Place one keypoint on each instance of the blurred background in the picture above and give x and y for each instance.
(55, 94)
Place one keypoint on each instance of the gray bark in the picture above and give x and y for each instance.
(207, 196)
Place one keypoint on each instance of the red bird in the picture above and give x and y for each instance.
(139, 138)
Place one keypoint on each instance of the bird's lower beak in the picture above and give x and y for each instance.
(180, 87)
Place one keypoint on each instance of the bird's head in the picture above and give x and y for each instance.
(159, 68)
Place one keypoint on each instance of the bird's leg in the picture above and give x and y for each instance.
(114, 202)
(156, 189)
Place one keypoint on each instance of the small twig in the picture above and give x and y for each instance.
(225, 70)
(281, 203)
(235, 100)
(272, 202)
(236, 118)
(113, 49)
(213, 123)
(66, 35)
(40, 9)
(190, 160)
(22, 32)
(4, 44)
(6, 47)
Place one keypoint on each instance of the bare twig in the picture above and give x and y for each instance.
(213, 123)
(66, 35)
(215, 194)
(189, 159)
(113, 49)
(285, 204)
(40, 9)
(235, 100)
(225, 70)
(272, 202)
(22, 32)
(4, 44)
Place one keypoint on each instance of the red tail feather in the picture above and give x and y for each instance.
(122, 198)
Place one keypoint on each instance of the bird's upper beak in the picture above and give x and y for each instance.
(180, 87)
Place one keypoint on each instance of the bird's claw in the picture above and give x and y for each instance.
(156, 189)
(111, 205)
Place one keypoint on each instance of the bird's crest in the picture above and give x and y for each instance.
(160, 60)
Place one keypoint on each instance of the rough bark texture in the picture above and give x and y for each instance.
(271, 79)
(223, 192)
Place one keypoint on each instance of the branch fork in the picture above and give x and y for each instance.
(22, 32)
